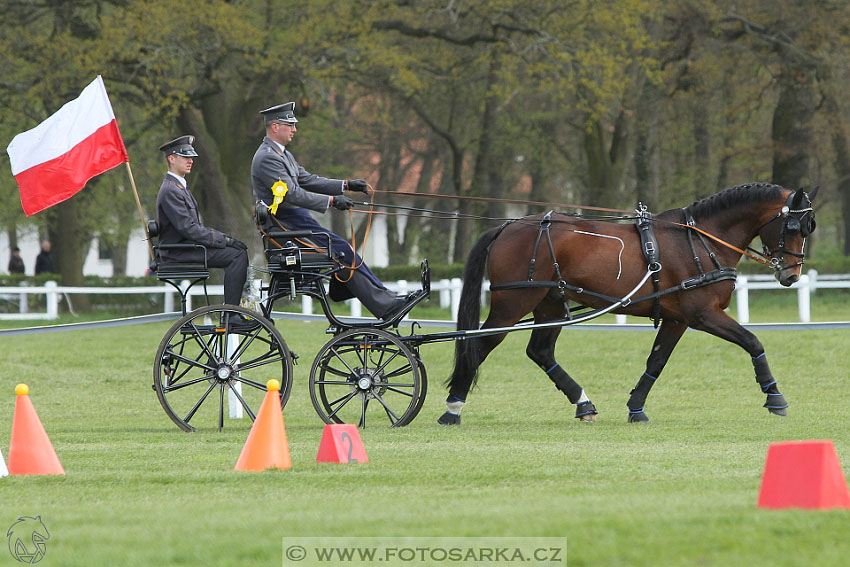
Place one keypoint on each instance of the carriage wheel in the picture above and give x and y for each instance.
(367, 375)
(207, 370)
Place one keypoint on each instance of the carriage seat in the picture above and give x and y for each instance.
(174, 272)
(290, 251)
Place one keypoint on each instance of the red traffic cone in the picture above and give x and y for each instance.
(341, 444)
(266, 446)
(803, 474)
(30, 451)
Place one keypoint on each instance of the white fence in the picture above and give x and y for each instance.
(446, 291)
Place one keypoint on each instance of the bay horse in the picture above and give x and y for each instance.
(681, 272)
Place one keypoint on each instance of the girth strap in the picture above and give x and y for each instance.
(649, 246)
(545, 223)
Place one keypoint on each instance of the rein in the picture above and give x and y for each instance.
(760, 258)
(506, 201)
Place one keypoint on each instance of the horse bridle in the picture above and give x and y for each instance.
(793, 221)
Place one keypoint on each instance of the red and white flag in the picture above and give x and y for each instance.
(54, 160)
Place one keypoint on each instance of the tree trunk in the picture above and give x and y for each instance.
(606, 161)
(791, 132)
(69, 245)
(208, 182)
(840, 145)
(485, 181)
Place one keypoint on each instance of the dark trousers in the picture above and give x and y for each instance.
(363, 283)
(233, 260)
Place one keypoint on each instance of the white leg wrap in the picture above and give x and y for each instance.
(583, 397)
(454, 407)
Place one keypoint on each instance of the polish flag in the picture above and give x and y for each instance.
(54, 160)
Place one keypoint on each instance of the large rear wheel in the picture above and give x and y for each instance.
(210, 370)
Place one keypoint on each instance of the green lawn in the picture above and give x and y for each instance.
(681, 490)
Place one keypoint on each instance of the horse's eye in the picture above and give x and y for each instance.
(792, 225)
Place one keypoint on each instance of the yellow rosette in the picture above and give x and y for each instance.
(279, 190)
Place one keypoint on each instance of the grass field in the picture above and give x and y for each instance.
(681, 490)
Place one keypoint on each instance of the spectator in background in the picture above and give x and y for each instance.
(44, 261)
(16, 263)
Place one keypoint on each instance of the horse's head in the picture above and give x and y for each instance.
(784, 235)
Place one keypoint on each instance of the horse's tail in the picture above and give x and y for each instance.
(469, 313)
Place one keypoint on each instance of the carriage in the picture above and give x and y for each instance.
(563, 268)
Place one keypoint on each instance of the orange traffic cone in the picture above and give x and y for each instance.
(30, 451)
(266, 446)
(803, 474)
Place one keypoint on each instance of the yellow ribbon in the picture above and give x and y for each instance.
(279, 190)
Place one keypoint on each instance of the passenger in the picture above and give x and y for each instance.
(179, 222)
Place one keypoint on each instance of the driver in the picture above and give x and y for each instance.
(289, 190)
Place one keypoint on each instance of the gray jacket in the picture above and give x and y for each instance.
(179, 220)
(304, 189)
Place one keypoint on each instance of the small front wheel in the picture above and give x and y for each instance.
(366, 373)
(218, 359)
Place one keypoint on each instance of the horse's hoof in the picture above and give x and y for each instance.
(449, 419)
(776, 404)
(638, 417)
(586, 411)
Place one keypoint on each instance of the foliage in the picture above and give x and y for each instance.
(604, 102)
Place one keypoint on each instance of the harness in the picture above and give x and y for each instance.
(649, 247)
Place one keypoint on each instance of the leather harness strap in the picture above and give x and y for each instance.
(649, 246)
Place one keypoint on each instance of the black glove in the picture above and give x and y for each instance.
(342, 203)
(233, 243)
(357, 185)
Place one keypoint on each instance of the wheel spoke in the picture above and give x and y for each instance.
(364, 405)
(243, 402)
(184, 384)
(345, 362)
(390, 413)
(246, 342)
(220, 409)
(401, 371)
(189, 361)
(203, 344)
(397, 391)
(384, 365)
(345, 400)
(249, 382)
(191, 413)
(261, 361)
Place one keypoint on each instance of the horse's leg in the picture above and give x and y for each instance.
(541, 350)
(474, 350)
(665, 341)
(721, 325)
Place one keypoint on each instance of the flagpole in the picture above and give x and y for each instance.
(139, 206)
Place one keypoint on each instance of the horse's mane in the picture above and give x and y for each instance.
(734, 196)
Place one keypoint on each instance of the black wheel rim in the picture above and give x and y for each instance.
(366, 376)
(207, 370)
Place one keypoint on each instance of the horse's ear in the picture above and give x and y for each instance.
(813, 193)
(797, 198)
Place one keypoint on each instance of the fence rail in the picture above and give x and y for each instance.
(446, 291)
